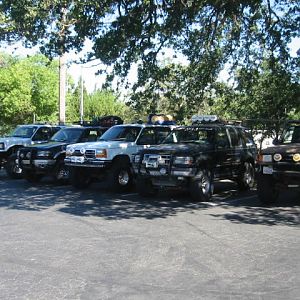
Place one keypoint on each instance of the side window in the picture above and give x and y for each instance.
(54, 130)
(92, 135)
(42, 134)
(147, 137)
(161, 134)
(222, 141)
(89, 135)
(235, 137)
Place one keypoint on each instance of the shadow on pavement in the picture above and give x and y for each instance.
(99, 202)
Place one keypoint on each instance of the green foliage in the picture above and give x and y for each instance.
(104, 102)
(243, 34)
(29, 87)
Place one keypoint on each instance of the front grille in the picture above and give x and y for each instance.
(77, 153)
(157, 159)
(90, 153)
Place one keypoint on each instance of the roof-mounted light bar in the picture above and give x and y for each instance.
(204, 118)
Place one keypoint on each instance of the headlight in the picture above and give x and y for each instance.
(101, 153)
(69, 151)
(183, 160)
(43, 154)
(296, 157)
(28, 155)
(277, 157)
(1, 146)
(136, 158)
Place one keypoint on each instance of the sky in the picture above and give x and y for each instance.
(88, 70)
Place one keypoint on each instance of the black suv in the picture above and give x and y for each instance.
(192, 157)
(48, 159)
(279, 166)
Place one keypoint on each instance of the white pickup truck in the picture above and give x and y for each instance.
(110, 157)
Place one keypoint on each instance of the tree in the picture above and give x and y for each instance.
(104, 102)
(209, 33)
(28, 90)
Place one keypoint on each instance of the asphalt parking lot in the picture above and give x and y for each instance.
(60, 243)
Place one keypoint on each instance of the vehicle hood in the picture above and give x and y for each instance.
(50, 146)
(283, 149)
(103, 145)
(182, 149)
(11, 141)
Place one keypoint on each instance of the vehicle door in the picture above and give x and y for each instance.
(42, 135)
(223, 154)
(147, 138)
(236, 149)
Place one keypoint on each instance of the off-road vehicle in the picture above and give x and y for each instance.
(279, 165)
(193, 157)
(48, 159)
(110, 157)
(23, 135)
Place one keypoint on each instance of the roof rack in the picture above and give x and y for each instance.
(105, 121)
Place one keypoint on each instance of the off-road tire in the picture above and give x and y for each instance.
(60, 172)
(12, 169)
(120, 178)
(246, 178)
(266, 190)
(201, 186)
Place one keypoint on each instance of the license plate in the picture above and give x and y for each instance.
(25, 161)
(77, 159)
(268, 170)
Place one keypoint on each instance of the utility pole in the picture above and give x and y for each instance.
(81, 98)
(62, 68)
(62, 89)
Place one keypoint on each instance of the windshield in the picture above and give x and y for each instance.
(69, 135)
(197, 135)
(24, 131)
(291, 135)
(121, 133)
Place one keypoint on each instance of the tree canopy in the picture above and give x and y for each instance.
(28, 89)
(242, 35)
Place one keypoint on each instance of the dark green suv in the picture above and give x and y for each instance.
(193, 157)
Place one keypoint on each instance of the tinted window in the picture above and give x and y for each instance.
(24, 131)
(121, 133)
(222, 141)
(235, 137)
(197, 135)
(69, 135)
(42, 134)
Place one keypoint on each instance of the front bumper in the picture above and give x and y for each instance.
(37, 164)
(164, 176)
(88, 163)
(285, 175)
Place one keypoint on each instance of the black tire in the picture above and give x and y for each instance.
(266, 189)
(79, 178)
(120, 178)
(145, 187)
(13, 170)
(246, 177)
(201, 186)
(61, 173)
(31, 176)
